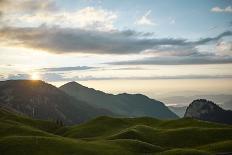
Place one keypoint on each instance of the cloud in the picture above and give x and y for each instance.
(17, 76)
(74, 40)
(86, 18)
(174, 50)
(176, 60)
(217, 9)
(173, 21)
(210, 39)
(66, 68)
(224, 48)
(145, 20)
(37, 12)
(56, 77)
(27, 6)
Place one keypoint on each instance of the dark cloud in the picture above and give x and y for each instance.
(206, 40)
(67, 40)
(66, 68)
(186, 60)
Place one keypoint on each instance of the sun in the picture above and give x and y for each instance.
(35, 76)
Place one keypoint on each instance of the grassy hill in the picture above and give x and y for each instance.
(106, 135)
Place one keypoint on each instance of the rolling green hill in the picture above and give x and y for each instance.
(106, 135)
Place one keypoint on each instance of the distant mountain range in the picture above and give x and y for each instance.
(129, 105)
(74, 103)
(44, 101)
(208, 111)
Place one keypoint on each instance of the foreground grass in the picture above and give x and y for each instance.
(105, 135)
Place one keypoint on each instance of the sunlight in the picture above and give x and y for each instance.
(35, 76)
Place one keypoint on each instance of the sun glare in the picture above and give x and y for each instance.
(35, 76)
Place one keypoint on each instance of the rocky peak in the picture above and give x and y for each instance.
(200, 107)
(207, 110)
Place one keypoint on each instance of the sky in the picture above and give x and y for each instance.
(160, 48)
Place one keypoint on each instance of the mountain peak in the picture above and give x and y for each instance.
(209, 111)
(200, 107)
(41, 100)
(73, 84)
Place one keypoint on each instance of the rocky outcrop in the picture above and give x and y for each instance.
(208, 111)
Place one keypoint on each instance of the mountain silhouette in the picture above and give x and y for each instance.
(41, 100)
(129, 105)
(208, 111)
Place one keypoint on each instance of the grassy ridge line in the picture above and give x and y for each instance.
(103, 127)
(7, 129)
(223, 146)
(37, 145)
(185, 151)
(108, 135)
(182, 137)
(22, 134)
(17, 119)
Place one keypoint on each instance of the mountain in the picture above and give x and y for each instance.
(44, 101)
(179, 110)
(129, 105)
(21, 135)
(208, 111)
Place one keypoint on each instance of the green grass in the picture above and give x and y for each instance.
(16, 119)
(105, 135)
(35, 145)
(184, 152)
(224, 146)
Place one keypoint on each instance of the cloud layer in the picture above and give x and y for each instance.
(70, 40)
(58, 69)
(186, 60)
(55, 77)
(217, 9)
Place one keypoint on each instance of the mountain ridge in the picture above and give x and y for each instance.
(131, 105)
(41, 100)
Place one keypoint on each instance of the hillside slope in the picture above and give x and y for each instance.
(40, 100)
(129, 105)
(111, 136)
